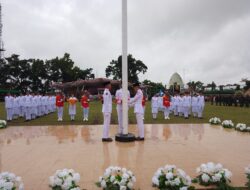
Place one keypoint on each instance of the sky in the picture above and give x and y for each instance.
(205, 40)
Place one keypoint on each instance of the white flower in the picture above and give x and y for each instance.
(58, 181)
(130, 185)
(177, 181)
(169, 175)
(76, 177)
(133, 179)
(103, 184)
(183, 188)
(155, 181)
(228, 174)
(112, 179)
(247, 170)
(205, 178)
(123, 188)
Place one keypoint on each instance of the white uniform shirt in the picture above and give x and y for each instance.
(194, 101)
(107, 101)
(8, 102)
(137, 102)
(154, 102)
(118, 97)
(201, 101)
(186, 101)
(28, 101)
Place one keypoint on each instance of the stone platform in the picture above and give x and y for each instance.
(35, 152)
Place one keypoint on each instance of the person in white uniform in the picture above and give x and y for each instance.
(186, 104)
(72, 107)
(195, 105)
(138, 110)
(180, 105)
(154, 106)
(201, 104)
(118, 98)
(9, 106)
(15, 107)
(28, 105)
(106, 110)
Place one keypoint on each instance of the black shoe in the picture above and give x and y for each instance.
(139, 139)
(107, 139)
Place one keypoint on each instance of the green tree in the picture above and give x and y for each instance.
(18, 73)
(135, 67)
(153, 88)
(195, 86)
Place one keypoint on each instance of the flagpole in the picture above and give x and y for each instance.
(124, 68)
(125, 136)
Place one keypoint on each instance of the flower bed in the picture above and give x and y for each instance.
(3, 124)
(242, 127)
(9, 181)
(227, 124)
(169, 177)
(116, 178)
(215, 121)
(213, 174)
(66, 179)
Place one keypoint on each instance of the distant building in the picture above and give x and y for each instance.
(176, 82)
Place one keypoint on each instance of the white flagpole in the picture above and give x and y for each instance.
(124, 69)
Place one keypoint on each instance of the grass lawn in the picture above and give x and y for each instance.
(236, 114)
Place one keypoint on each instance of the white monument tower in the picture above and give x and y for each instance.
(125, 137)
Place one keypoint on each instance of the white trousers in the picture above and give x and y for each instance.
(175, 110)
(119, 115)
(200, 111)
(60, 112)
(85, 113)
(106, 125)
(186, 111)
(140, 125)
(28, 113)
(9, 112)
(166, 111)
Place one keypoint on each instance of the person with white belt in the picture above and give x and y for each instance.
(118, 98)
(154, 106)
(138, 110)
(106, 110)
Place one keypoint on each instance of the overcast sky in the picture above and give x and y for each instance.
(206, 40)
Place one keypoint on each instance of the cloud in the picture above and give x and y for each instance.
(207, 40)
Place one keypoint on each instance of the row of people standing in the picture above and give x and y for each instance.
(29, 106)
(182, 105)
(72, 100)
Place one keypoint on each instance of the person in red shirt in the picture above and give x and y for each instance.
(85, 105)
(59, 105)
(166, 105)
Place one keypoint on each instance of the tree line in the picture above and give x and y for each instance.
(37, 75)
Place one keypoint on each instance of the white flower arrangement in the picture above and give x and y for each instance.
(116, 178)
(242, 127)
(9, 181)
(227, 124)
(213, 174)
(215, 121)
(3, 124)
(66, 179)
(247, 172)
(169, 177)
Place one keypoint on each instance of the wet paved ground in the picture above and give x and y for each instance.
(34, 153)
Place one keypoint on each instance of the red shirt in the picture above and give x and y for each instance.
(143, 101)
(59, 101)
(85, 101)
(166, 102)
